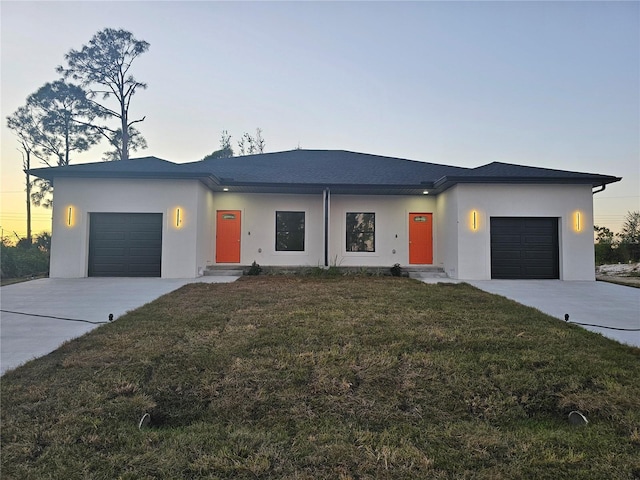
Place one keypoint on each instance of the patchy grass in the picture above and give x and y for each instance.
(11, 281)
(337, 378)
(628, 281)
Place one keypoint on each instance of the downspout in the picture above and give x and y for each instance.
(602, 188)
(325, 198)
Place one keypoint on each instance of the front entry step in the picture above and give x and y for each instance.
(423, 272)
(223, 272)
(419, 273)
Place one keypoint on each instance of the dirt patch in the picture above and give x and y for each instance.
(619, 269)
(620, 273)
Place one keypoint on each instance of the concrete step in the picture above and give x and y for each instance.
(426, 272)
(412, 272)
(222, 272)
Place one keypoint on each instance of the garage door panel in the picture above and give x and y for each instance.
(141, 258)
(532, 253)
(112, 268)
(138, 242)
(143, 228)
(108, 253)
(125, 244)
(112, 236)
(524, 247)
(142, 267)
(507, 256)
(506, 239)
(538, 240)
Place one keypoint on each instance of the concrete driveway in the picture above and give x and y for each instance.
(597, 303)
(23, 337)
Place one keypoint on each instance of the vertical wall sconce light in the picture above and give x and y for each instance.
(578, 222)
(178, 218)
(70, 220)
(474, 221)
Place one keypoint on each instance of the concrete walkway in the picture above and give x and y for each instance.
(23, 337)
(598, 303)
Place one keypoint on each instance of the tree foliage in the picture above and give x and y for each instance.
(103, 67)
(250, 145)
(603, 235)
(63, 114)
(22, 124)
(25, 259)
(52, 125)
(225, 151)
(622, 247)
(136, 142)
(247, 145)
(630, 232)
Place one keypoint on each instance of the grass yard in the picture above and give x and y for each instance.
(326, 378)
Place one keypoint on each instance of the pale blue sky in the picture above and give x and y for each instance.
(550, 84)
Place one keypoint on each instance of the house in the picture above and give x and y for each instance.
(152, 217)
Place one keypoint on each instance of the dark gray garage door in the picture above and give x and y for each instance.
(125, 244)
(524, 247)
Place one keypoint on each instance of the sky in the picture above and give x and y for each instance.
(547, 84)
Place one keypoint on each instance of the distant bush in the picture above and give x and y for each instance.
(607, 253)
(25, 259)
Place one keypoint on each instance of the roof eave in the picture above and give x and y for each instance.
(341, 188)
(448, 181)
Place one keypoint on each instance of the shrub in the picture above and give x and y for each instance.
(255, 269)
(607, 253)
(23, 260)
(396, 270)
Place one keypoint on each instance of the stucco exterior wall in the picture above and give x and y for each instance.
(391, 228)
(70, 243)
(258, 231)
(258, 227)
(187, 248)
(205, 233)
(564, 202)
(447, 223)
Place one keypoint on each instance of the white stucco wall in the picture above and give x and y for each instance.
(447, 236)
(70, 244)
(391, 228)
(258, 230)
(560, 201)
(186, 250)
(205, 233)
(258, 227)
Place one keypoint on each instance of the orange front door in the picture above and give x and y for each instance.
(228, 236)
(420, 238)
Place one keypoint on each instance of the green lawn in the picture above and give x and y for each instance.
(337, 378)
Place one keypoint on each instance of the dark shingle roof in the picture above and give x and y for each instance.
(508, 170)
(134, 167)
(338, 169)
(331, 167)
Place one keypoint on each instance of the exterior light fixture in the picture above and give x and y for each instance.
(578, 223)
(225, 189)
(474, 220)
(70, 217)
(178, 218)
(426, 192)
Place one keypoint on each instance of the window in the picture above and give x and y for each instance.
(289, 231)
(361, 229)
